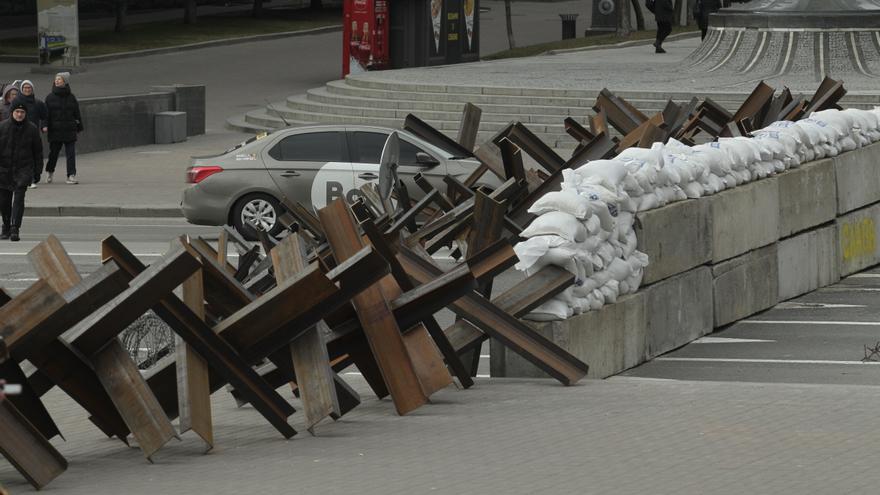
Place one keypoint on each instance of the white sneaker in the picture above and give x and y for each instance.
(32, 186)
(72, 180)
(49, 177)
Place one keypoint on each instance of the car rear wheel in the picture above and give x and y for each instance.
(260, 209)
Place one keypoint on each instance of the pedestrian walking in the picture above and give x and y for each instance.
(37, 115)
(9, 94)
(702, 9)
(64, 122)
(664, 14)
(20, 149)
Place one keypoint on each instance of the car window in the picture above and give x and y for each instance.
(310, 147)
(368, 148)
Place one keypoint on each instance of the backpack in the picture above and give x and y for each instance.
(649, 4)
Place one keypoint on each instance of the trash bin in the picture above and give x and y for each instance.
(569, 23)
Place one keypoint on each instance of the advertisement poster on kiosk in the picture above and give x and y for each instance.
(58, 32)
(365, 36)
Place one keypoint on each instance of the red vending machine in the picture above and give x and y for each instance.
(365, 36)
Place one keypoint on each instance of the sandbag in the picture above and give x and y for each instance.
(556, 223)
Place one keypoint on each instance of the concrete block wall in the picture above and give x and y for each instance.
(113, 122)
(721, 258)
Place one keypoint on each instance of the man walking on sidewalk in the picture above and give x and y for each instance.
(20, 150)
(36, 114)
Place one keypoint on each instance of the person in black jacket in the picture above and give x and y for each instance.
(20, 149)
(664, 14)
(702, 9)
(37, 115)
(64, 122)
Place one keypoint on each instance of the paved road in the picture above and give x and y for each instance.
(148, 238)
(816, 338)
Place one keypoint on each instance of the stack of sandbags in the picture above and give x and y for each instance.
(584, 230)
(587, 227)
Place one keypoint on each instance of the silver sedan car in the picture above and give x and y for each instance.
(311, 165)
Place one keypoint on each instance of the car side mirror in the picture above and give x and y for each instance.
(423, 158)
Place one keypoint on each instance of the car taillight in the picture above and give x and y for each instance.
(194, 175)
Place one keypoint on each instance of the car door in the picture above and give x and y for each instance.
(366, 149)
(311, 167)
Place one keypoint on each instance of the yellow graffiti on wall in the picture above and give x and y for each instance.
(858, 238)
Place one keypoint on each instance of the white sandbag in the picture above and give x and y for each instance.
(530, 250)
(638, 260)
(563, 257)
(596, 300)
(713, 157)
(789, 141)
(841, 122)
(557, 223)
(593, 225)
(822, 131)
(741, 151)
(610, 173)
(693, 190)
(552, 310)
(606, 252)
(654, 155)
(601, 278)
(565, 201)
(648, 202)
(610, 291)
(619, 269)
(602, 203)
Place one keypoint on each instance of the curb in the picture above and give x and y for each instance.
(103, 211)
(624, 44)
(180, 48)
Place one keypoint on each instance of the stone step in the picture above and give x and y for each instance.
(321, 95)
(397, 122)
(737, 96)
(263, 119)
(340, 87)
(304, 103)
(241, 124)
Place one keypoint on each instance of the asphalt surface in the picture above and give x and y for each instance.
(148, 238)
(825, 337)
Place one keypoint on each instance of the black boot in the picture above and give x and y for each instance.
(4, 234)
(13, 234)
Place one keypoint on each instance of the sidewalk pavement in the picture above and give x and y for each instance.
(144, 181)
(618, 436)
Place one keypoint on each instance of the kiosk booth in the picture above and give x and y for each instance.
(386, 34)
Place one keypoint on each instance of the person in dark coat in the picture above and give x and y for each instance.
(37, 115)
(664, 14)
(9, 94)
(702, 9)
(64, 122)
(20, 149)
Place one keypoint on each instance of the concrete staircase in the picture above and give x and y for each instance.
(357, 100)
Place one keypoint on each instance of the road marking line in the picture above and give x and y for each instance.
(850, 289)
(725, 340)
(806, 305)
(865, 275)
(26, 279)
(358, 373)
(139, 255)
(793, 322)
(764, 361)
